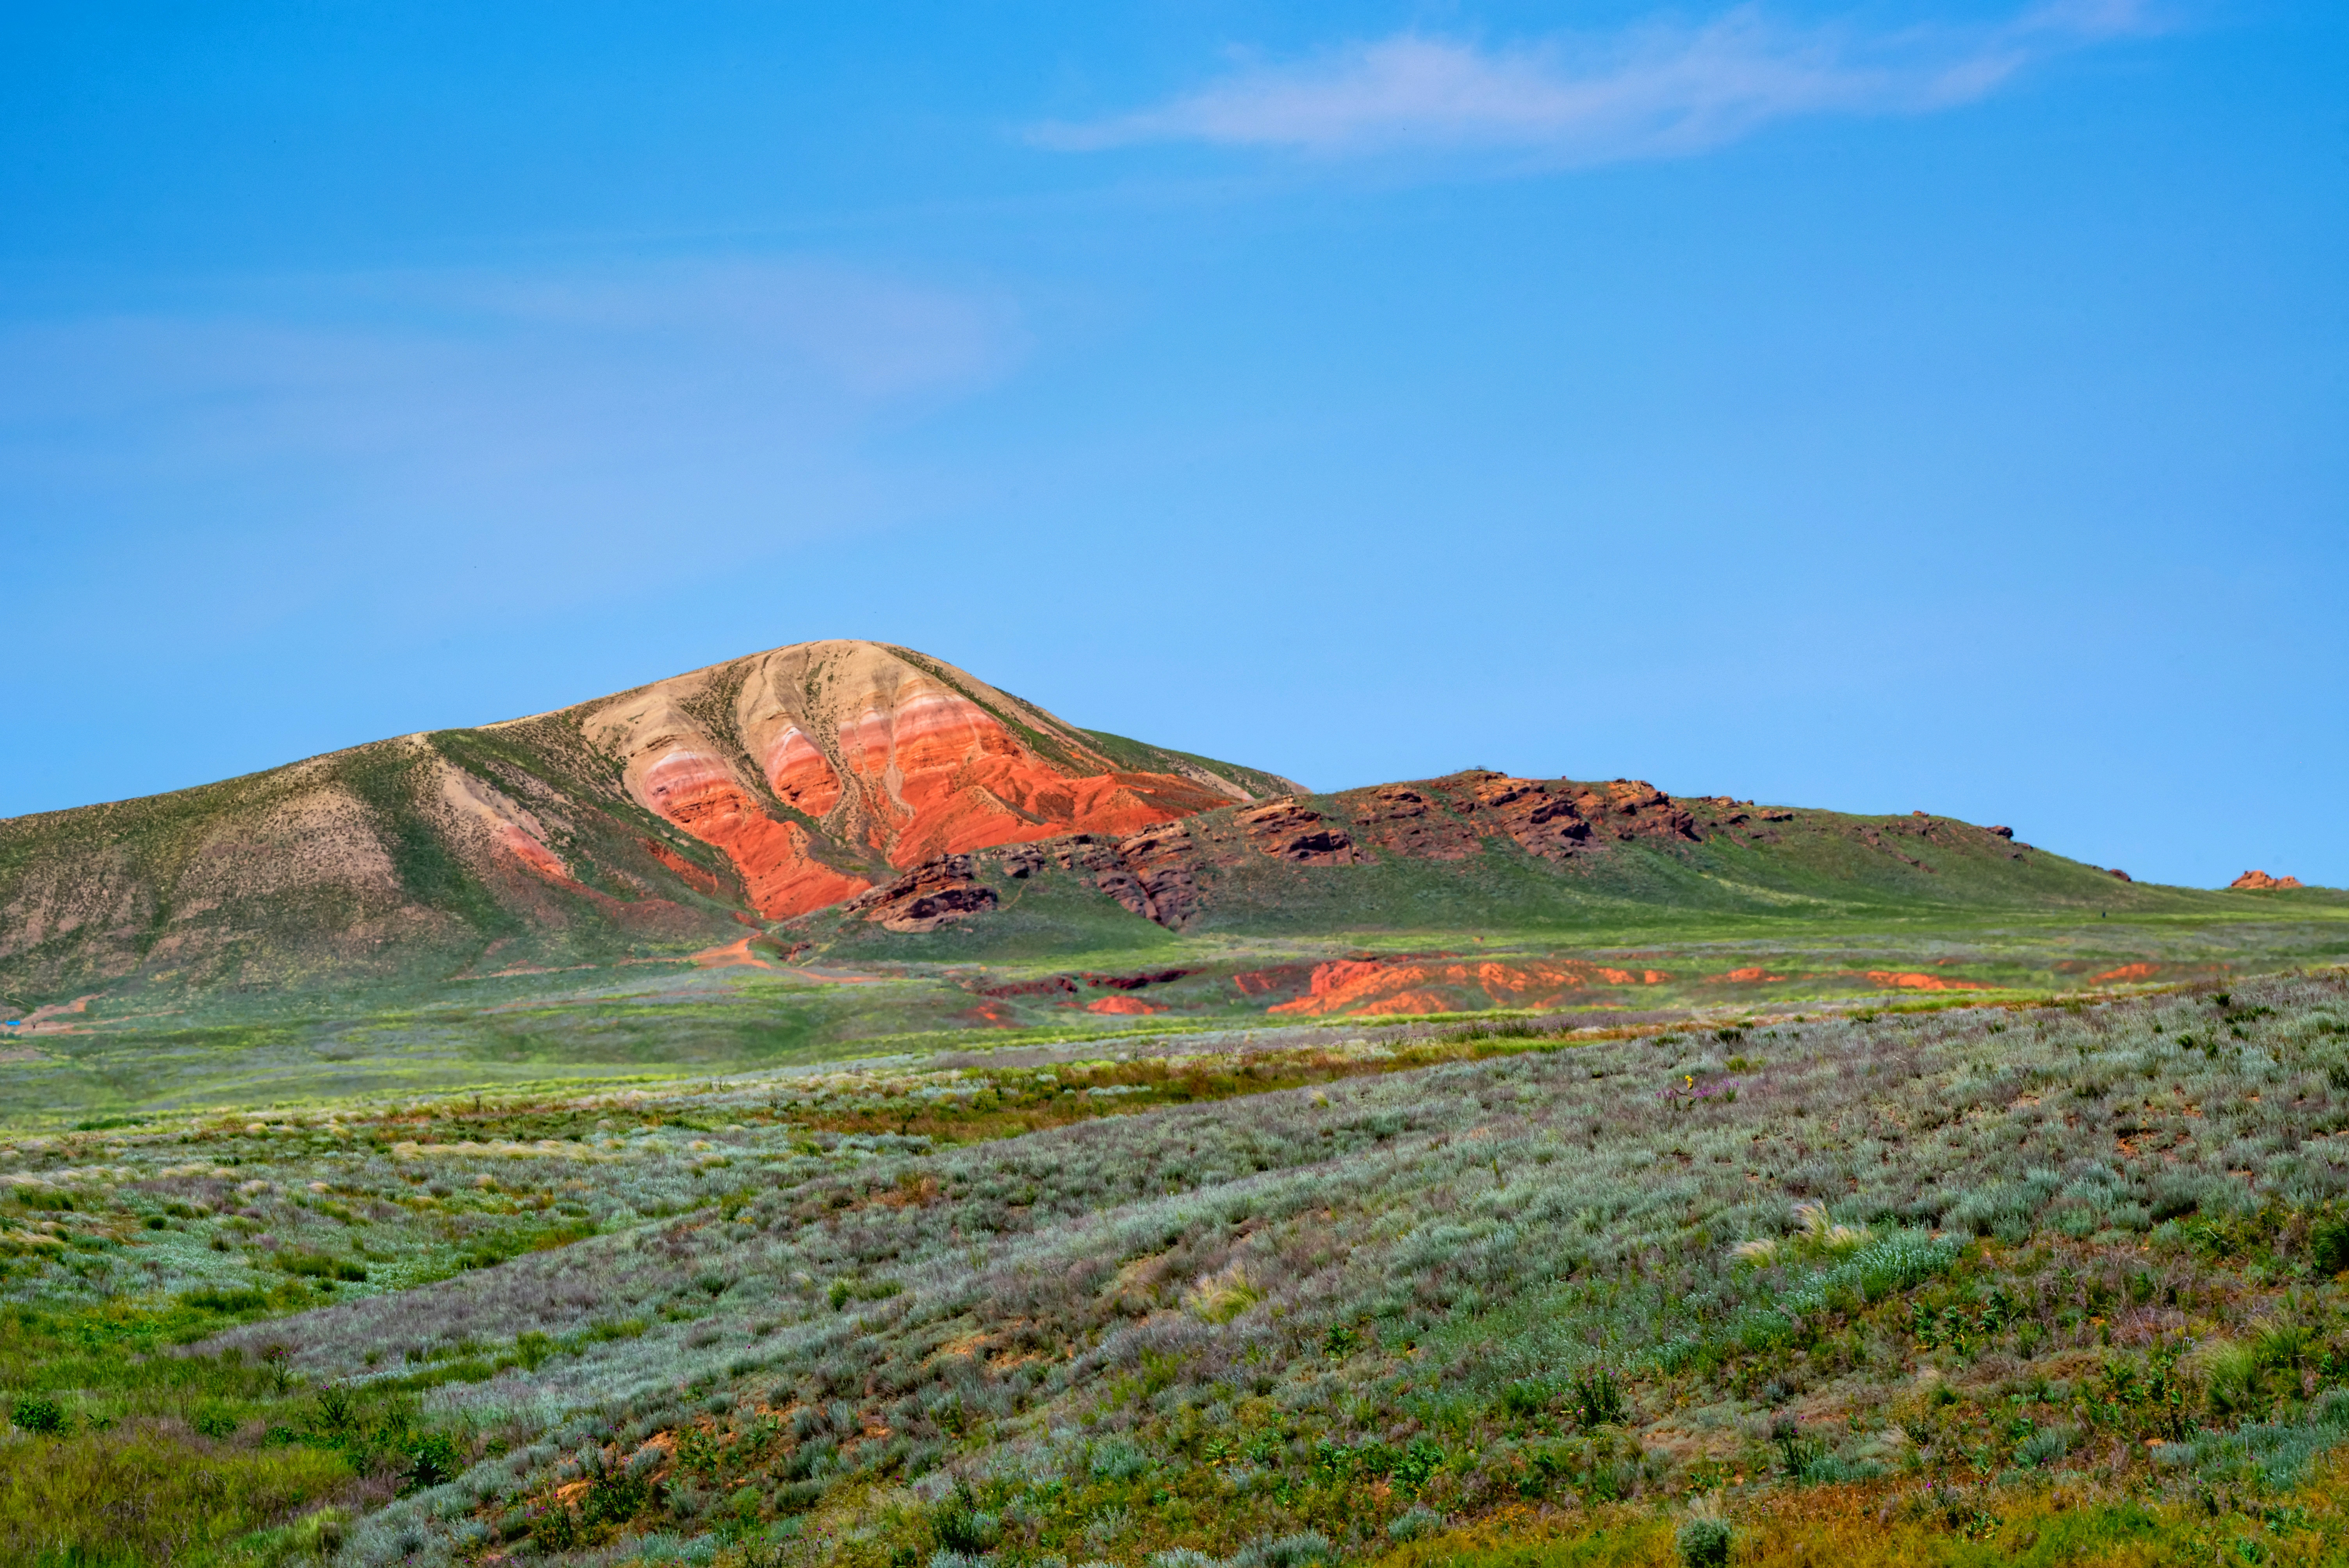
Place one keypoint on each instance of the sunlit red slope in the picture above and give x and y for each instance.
(817, 767)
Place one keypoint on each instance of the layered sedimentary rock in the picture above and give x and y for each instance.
(1288, 832)
(927, 897)
(809, 764)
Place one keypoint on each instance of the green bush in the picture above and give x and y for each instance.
(615, 1496)
(555, 1528)
(2328, 1244)
(1703, 1544)
(1526, 1397)
(37, 1413)
(961, 1525)
(1597, 1399)
(432, 1461)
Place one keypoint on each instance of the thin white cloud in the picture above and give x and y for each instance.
(1655, 90)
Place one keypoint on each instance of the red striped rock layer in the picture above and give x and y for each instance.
(820, 769)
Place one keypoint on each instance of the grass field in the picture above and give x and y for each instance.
(672, 1017)
(2027, 1274)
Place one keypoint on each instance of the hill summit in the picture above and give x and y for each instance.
(756, 789)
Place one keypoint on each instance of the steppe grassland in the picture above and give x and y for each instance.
(1312, 1321)
(506, 1033)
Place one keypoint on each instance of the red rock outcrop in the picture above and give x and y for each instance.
(2259, 882)
(1404, 820)
(1288, 832)
(1546, 822)
(1165, 861)
(926, 897)
(1630, 809)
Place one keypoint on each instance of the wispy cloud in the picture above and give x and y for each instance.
(1656, 90)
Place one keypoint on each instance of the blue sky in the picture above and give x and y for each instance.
(1870, 406)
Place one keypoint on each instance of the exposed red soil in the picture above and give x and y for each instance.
(2130, 972)
(2259, 882)
(1044, 987)
(782, 878)
(700, 881)
(964, 782)
(45, 1020)
(1123, 1004)
(1280, 977)
(1372, 986)
(733, 954)
(518, 843)
(1136, 982)
(1068, 984)
(1923, 981)
(1749, 975)
(660, 915)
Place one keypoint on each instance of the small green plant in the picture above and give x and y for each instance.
(1526, 1397)
(337, 1411)
(1702, 1543)
(554, 1527)
(615, 1494)
(432, 1461)
(1597, 1399)
(961, 1525)
(37, 1413)
(2328, 1244)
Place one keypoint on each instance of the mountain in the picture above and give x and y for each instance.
(869, 805)
(750, 791)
